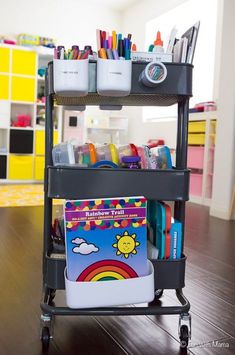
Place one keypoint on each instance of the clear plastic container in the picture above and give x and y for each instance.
(107, 152)
(85, 154)
(127, 150)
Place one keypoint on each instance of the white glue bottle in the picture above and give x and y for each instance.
(158, 44)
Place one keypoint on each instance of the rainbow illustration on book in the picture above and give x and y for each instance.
(106, 239)
(107, 270)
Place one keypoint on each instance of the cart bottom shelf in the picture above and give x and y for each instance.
(153, 308)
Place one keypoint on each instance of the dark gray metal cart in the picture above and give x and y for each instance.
(82, 183)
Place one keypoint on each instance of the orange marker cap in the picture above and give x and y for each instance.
(158, 41)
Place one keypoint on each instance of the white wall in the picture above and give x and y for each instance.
(224, 165)
(69, 21)
(134, 21)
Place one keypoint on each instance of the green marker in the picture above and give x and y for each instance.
(71, 55)
(151, 46)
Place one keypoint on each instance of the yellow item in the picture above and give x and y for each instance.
(4, 60)
(212, 136)
(20, 167)
(196, 139)
(213, 126)
(23, 89)
(24, 62)
(114, 153)
(40, 141)
(197, 126)
(4, 87)
(39, 163)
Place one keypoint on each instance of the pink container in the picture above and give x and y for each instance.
(195, 187)
(195, 157)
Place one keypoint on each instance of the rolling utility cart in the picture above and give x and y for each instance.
(82, 183)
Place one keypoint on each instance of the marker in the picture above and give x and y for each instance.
(120, 47)
(115, 54)
(110, 42)
(55, 53)
(85, 55)
(71, 55)
(62, 53)
(98, 39)
(102, 53)
(114, 40)
(109, 53)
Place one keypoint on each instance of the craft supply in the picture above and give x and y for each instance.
(153, 74)
(158, 44)
(131, 162)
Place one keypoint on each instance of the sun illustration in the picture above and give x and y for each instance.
(126, 244)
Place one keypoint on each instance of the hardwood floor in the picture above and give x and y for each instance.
(210, 288)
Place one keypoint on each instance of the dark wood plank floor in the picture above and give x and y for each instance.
(210, 288)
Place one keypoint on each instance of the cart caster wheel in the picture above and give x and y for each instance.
(158, 293)
(45, 337)
(184, 336)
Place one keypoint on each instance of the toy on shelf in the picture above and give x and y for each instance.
(22, 121)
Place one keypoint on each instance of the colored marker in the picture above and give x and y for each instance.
(109, 53)
(114, 40)
(115, 54)
(110, 42)
(102, 53)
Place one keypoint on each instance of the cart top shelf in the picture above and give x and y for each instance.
(176, 88)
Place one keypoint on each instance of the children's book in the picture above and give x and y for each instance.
(106, 239)
(176, 239)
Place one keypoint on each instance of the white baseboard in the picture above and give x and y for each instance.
(220, 213)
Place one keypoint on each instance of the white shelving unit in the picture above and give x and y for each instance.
(210, 118)
(11, 63)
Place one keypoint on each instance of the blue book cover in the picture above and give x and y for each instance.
(157, 220)
(106, 239)
(176, 239)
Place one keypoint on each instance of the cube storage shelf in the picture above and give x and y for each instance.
(20, 87)
(73, 183)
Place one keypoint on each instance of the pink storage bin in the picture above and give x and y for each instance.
(195, 157)
(195, 187)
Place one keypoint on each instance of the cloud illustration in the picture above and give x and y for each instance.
(85, 249)
(78, 241)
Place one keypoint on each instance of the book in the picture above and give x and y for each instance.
(184, 50)
(176, 239)
(106, 239)
(171, 41)
(191, 34)
(177, 51)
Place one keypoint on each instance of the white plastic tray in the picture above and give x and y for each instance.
(110, 293)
